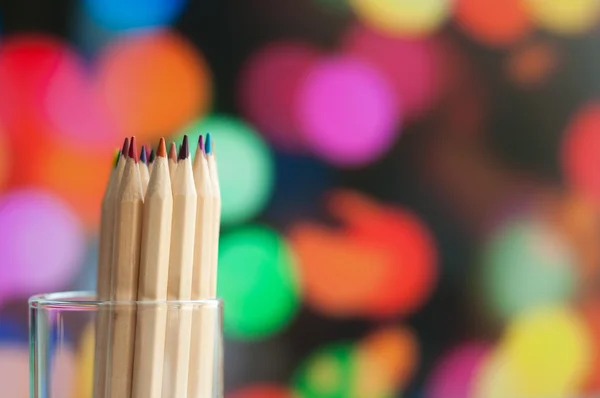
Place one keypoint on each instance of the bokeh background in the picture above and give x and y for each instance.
(411, 188)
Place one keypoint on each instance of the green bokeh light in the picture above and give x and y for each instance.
(257, 281)
(526, 265)
(246, 171)
(328, 373)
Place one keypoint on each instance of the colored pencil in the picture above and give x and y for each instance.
(154, 273)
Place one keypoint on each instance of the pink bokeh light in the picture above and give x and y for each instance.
(41, 245)
(453, 376)
(14, 371)
(27, 62)
(409, 65)
(268, 85)
(75, 109)
(348, 112)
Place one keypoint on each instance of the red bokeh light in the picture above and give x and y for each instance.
(580, 150)
(382, 263)
(268, 89)
(494, 22)
(27, 62)
(410, 65)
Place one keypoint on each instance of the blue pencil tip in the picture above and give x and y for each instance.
(144, 155)
(208, 144)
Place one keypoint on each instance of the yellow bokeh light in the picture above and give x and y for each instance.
(567, 17)
(85, 365)
(494, 379)
(548, 351)
(403, 17)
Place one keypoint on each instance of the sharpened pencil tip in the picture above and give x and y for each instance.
(116, 157)
(133, 150)
(184, 150)
(143, 155)
(173, 152)
(162, 149)
(208, 144)
(125, 149)
(152, 156)
(201, 143)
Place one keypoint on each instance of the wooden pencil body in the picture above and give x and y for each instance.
(154, 271)
(179, 323)
(105, 262)
(124, 283)
(201, 372)
(144, 176)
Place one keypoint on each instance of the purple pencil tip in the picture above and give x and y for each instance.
(184, 150)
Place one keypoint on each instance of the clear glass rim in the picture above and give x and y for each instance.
(88, 299)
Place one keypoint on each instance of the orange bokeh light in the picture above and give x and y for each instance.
(590, 310)
(78, 176)
(154, 84)
(532, 64)
(386, 361)
(5, 158)
(262, 391)
(494, 22)
(337, 276)
(381, 263)
(580, 150)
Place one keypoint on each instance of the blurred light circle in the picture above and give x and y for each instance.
(549, 351)
(579, 152)
(128, 14)
(83, 385)
(5, 158)
(526, 264)
(75, 109)
(42, 242)
(246, 170)
(12, 332)
(27, 62)
(14, 371)
(408, 64)
(403, 17)
(385, 362)
(327, 373)
(348, 112)
(326, 256)
(590, 312)
(566, 17)
(257, 280)
(66, 170)
(454, 374)
(495, 378)
(268, 88)
(262, 391)
(386, 257)
(533, 64)
(579, 218)
(493, 22)
(153, 83)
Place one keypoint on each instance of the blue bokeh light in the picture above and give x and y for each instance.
(133, 14)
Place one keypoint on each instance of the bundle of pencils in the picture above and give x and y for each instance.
(159, 236)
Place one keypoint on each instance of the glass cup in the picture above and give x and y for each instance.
(83, 348)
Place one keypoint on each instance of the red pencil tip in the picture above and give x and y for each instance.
(162, 149)
(133, 150)
(125, 148)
